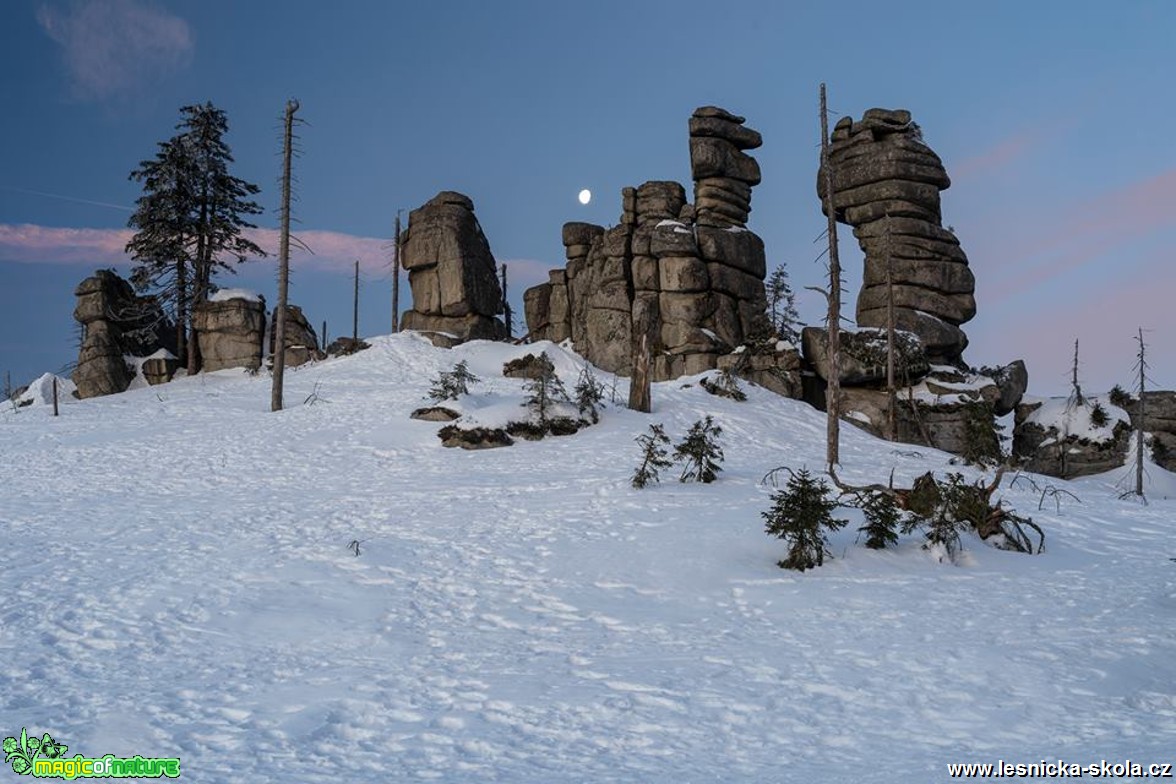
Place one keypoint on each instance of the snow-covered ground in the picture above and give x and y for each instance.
(176, 581)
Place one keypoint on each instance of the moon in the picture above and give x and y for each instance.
(585, 196)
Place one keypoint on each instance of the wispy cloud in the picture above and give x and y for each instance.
(1083, 234)
(113, 48)
(330, 250)
(1004, 153)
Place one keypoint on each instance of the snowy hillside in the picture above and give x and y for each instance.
(176, 581)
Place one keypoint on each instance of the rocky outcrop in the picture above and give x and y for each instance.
(230, 333)
(886, 184)
(117, 324)
(687, 279)
(301, 340)
(1045, 447)
(451, 271)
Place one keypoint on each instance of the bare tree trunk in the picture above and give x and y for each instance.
(1142, 414)
(396, 278)
(355, 306)
(1076, 398)
(182, 314)
(55, 396)
(283, 261)
(325, 344)
(506, 315)
(201, 276)
(891, 391)
(833, 391)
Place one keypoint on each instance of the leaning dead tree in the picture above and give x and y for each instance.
(833, 297)
(283, 260)
(929, 498)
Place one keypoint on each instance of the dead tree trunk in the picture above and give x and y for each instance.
(55, 396)
(355, 306)
(833, 325)
(506, 314)
(1142, 415)
(891, 391)
(396, 278)
(283, 261)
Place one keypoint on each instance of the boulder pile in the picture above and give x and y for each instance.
(230, 332)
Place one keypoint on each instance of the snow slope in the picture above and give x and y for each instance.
(176, 581)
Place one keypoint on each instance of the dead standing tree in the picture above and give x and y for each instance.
(396, 248)
(833, 298)
(891, 391)
(283, 260)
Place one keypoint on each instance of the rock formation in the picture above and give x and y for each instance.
(116, 324)
(230, 332)
(886, 185)
(686, 278)
(452, 273)
(301, 340)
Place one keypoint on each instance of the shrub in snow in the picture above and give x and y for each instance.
(653, 456)
(452, 384)
(1120, 398)
(700, 453)
(800, 515)
(725, 385)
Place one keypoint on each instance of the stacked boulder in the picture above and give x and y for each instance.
(886, 184)
(453, 275)
(230, 332)
(687, 280)
(117, 325)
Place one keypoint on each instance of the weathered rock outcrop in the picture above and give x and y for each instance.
(451, 271)
(1044, 447)
(230, 333)
(301, 340)
(687, 279)
(116, 324)
(886, 184)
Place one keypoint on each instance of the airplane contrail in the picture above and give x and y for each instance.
(68, 198)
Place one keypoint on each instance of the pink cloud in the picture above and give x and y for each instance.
(32, 244)
(998, 157)
(114, 47)
(1085, 233)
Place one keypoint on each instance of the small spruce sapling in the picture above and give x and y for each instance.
(653, 456)
(700, 453)
(543, 392)
(800, 515)
(1120, 398)
(1099, 416)
(883, 520)
(452, 384)
(588, 395)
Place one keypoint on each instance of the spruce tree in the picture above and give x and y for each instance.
(700, 453)
(191, 217)
(782, 305)
(800, 515)
(653, 456)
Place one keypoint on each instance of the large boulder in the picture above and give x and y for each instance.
(230, 333)
(301, 342)
(451, 271)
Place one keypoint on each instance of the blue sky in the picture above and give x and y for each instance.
(1054, 120)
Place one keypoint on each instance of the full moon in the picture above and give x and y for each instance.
(585, 196)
